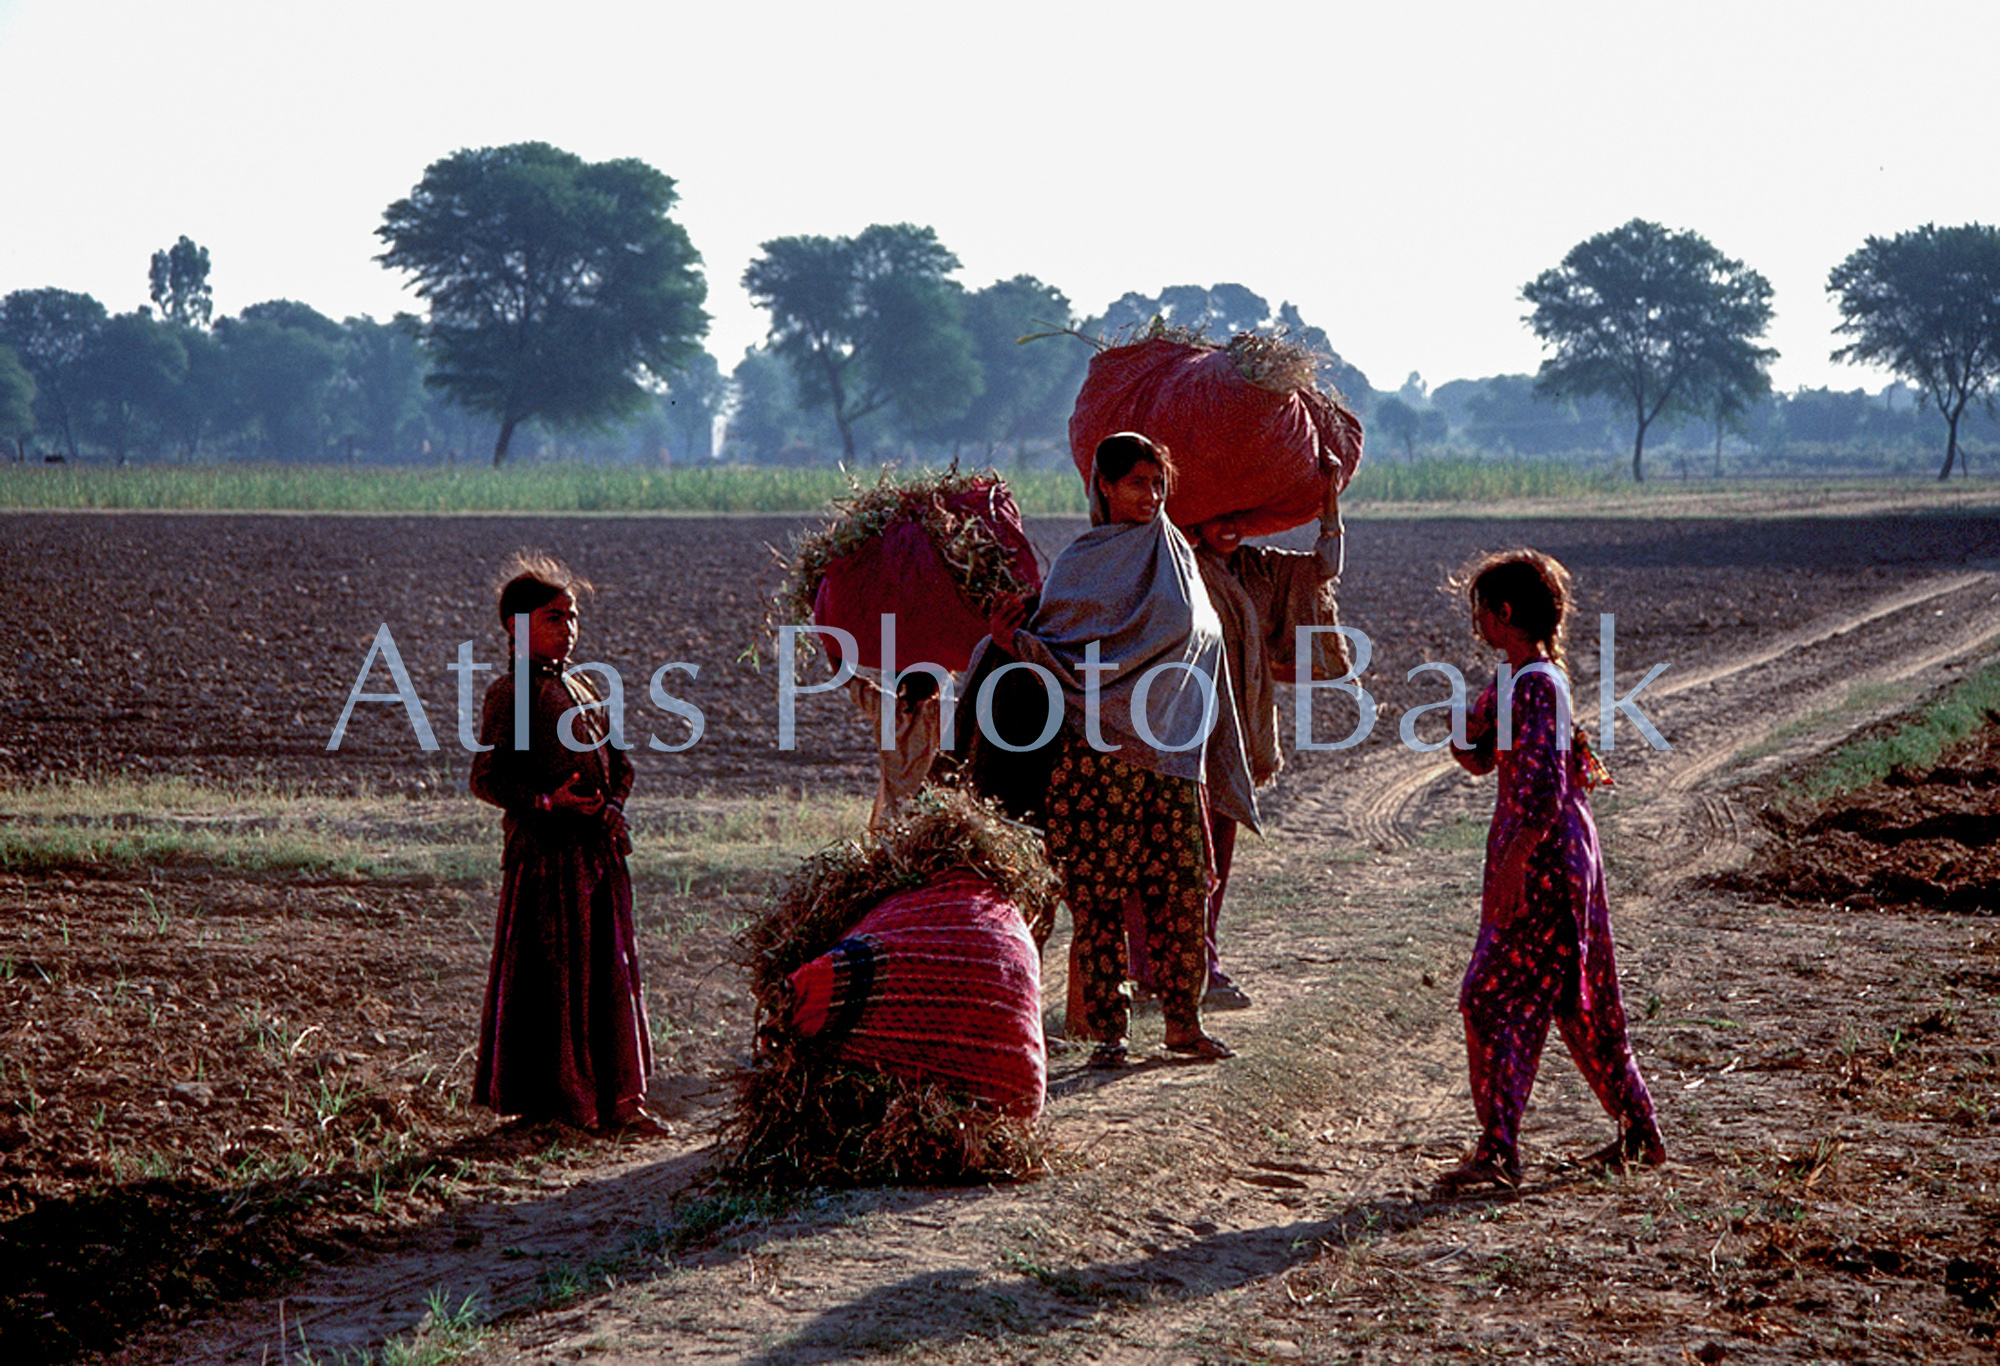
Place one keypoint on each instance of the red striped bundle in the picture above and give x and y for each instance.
(939, 984)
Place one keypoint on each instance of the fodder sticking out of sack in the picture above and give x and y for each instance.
(1252, 431)
(938, 550)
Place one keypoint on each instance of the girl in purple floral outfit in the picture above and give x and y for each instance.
(1544, 950)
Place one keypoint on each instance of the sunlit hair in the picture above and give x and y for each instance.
(1534, 587)
(1120, 452)
(530, 579)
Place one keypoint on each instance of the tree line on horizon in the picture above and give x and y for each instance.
(564, 311)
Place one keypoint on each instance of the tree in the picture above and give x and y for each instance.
(129, 380)
(558, 288)
(694, 399)
(1926, 305)
(1655, 319)
(279, 361)
(1028, 385)
(869, 321)
(179, 280)
(768, 423)
(17, 402)
(379, 393)
(49, 329)
(1399, 422)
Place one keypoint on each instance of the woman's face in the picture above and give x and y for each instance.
(1137, 496)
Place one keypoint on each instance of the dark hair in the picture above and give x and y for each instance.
(1118, 453)
(530, 580)
(1534, 587)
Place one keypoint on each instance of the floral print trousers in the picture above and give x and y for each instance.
(1118, 832)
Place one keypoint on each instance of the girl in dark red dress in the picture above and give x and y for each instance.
(1544, 950)
(564, 1034)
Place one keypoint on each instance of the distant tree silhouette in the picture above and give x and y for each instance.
(49, 330)
(558, 288)
(1658, 320)
(867, 322)
(1926, 305)
(179, 284)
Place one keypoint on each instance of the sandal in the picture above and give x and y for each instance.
(1226, 996)
(1202, 1047)
(1483, 1169)
(1636, 1147)
(641, 1124)
(1110, 1057)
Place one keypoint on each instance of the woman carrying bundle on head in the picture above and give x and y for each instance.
(1128, 631)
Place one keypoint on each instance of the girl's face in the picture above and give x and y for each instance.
(1220, 534)
(552, 629)
(1137, 496)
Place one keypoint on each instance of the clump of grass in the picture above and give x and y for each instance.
(1915, 745)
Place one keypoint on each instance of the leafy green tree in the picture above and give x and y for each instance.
(557, 287)
(768, 424)
(1336, 374)
(1029, 381)
(202, 402)
(694, 399)
(129, 380)
(378, 394)
(1655, 319)
(179, 284)
(1399, 422)
(1507, 413)
(49, 330)
(867, 322)
(17, 402)
(280, 360)
(1925, 304)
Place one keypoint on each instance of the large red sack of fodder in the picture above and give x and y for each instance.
(940, 984)
(1239, 448)
(902, 570)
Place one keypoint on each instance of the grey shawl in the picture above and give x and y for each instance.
(1134, 589)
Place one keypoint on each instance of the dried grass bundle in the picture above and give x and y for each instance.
(941, 830)
(1273, 361)
(980, 565)
(801, 1120)
(1270, 360)
(801, 1116)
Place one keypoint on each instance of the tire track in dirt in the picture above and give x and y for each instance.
(1387, 800)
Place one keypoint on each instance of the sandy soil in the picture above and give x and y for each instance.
(238, 1127)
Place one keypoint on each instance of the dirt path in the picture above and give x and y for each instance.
(1272, 1208)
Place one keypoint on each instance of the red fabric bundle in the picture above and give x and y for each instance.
(901, 571)
(1239, 448)
(940, 984)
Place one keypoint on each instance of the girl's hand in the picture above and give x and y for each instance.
(1006, 619)
(617, 829)
(569, 798)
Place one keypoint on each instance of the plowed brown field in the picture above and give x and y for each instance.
(232, 1120)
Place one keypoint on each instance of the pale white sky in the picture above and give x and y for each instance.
(1399, 171)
